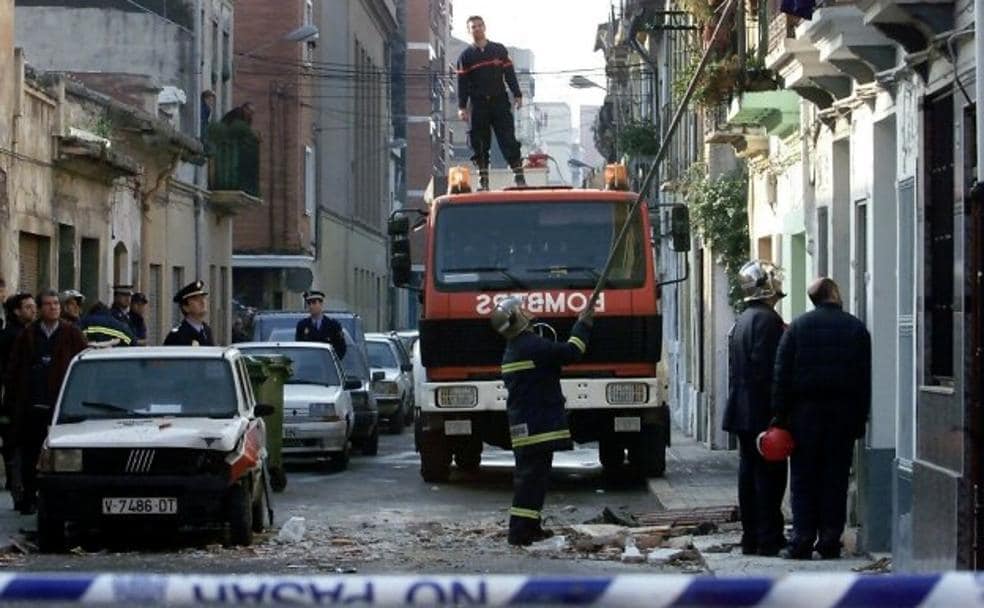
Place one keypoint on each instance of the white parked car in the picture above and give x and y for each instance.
(168, 435)
(394, 392)
(318, 417)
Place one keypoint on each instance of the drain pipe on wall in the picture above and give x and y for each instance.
(200, 272)
(979, 85)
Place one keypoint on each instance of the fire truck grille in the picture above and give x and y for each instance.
(467, 342)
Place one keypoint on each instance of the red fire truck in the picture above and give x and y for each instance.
(548, 246)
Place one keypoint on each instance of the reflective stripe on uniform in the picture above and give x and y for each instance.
(519, 442)
(99, 329)
(579, 343)
(517, 366)
(521, 512)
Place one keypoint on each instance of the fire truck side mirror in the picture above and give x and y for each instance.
(680, 227)
(398, 228)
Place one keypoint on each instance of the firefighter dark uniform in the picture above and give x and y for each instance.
(103, 330)
(531, 367)
(187, 333)
(325, 329)
(483, 73)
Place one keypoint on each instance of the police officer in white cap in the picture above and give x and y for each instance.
(193, 331)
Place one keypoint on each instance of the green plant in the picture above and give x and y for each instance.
(719, 214)
(702, 10)
(639, 139)
(715, 84)
(101, 125)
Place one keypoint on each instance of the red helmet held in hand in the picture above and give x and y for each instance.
(775, 444)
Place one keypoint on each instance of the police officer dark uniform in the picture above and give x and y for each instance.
(319, 327)
(484, 70)
(193, 331)
(752, 345)
(121, 303)
(531, 367)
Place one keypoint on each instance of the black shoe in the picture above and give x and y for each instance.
(521, 540)
(483, 184)
(829, 552)
(543, 534)
(797, 552)
(520, 180)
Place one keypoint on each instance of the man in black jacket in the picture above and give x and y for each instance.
(21, 311)
(822, 394)
(484, 70)
(320, 327)
(752, 347)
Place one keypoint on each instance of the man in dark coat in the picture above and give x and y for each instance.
(138, 313)
(38, 364)
(319, 327)
(822, 394)
(484, 72)
(192, 331)
(21, 311)
(752, 347)
(531, 367)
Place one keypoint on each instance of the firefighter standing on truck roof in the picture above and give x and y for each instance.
(484, 68)
(531, 368)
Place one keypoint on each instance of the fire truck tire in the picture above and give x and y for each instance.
(611, 453)
(647, 452)
(435, 460)
(468, 456)
(51, 530)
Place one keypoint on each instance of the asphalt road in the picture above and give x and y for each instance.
(378, 516)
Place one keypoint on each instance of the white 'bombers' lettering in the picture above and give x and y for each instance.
(541, 302)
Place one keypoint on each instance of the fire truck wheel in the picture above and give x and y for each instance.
(647, 452)
(611, 453)
(435, 459)
(468, 456)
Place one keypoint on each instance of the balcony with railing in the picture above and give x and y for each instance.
(233, 165)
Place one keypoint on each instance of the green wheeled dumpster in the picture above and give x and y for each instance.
(267, 374)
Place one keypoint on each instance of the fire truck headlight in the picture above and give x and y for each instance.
(626, 393)
(457, 396)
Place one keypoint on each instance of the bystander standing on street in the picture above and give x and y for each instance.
(20, 311)
(751, 355)
(822, 394)
(138, 311)
(71, 305)
(38, 363)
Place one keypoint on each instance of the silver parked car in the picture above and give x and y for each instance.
(394, 392)
(318, 414)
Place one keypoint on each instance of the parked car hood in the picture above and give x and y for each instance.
(301, 395)
(199, 433)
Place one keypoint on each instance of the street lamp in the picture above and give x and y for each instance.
(304, 33)
(580, 82)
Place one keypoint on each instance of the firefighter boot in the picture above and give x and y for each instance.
(519, 177)
(483, 178)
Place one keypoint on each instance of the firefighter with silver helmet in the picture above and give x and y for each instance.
(752, 345)
(531, 367)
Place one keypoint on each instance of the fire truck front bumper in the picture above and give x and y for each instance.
(581, 394)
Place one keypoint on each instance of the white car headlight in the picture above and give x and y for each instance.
(457, 396)
(386, 388)
(66, 461)
(625, 393)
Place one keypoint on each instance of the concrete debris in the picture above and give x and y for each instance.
(881, 565)
(608, 516)
(661, 557)
(599, 535)
(632, 555)
(554, 544)
(721, 548)
(292, 531)
(681, 542)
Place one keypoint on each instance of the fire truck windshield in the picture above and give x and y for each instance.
(563, 245)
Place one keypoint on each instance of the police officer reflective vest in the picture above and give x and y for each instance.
(531, 369)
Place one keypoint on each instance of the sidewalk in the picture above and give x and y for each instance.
(697, 477)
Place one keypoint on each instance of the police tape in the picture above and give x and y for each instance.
(650, 590)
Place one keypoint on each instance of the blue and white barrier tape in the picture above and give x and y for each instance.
(649, 591)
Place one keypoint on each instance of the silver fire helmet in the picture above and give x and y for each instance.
(760, 280)
(508, 318)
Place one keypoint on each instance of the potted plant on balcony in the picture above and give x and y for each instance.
(757, 77)
(639, 139)
(718, 81)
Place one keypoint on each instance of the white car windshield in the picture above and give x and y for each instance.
(135, 388)
(381, 355)
(308, 365)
